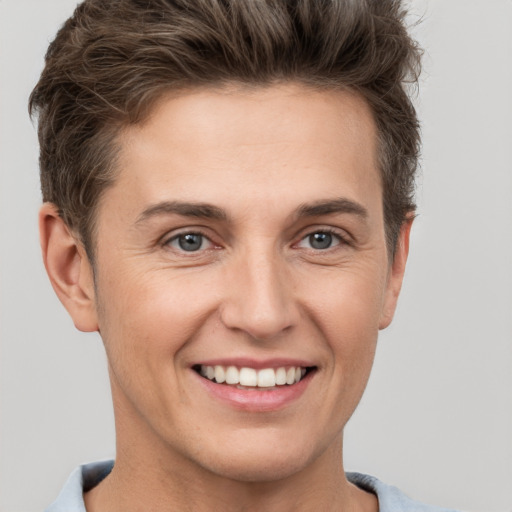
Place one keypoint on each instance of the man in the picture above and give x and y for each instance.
(228, 192)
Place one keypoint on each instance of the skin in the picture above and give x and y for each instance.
(256, 288)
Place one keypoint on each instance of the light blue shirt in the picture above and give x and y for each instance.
(87, 476)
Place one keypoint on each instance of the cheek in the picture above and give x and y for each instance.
(150, 315)
(347, 310)
(347, 301)
(144, 325)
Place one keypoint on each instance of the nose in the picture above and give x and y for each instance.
(259, 297)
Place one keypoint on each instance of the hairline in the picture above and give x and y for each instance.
(88, 237)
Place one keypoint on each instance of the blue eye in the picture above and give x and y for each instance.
(320, 240)
(189, 242)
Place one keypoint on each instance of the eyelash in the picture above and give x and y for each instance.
(342, 240)
(176, 237)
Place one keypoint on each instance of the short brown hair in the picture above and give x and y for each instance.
(112, 60)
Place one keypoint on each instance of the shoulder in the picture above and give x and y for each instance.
(390, 498)
(82, 479)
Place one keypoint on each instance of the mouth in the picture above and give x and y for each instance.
(247, 378)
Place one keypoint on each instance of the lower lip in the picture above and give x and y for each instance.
(257, 400)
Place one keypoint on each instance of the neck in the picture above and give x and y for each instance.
(158, 484)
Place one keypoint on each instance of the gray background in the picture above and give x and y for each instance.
(437, 417)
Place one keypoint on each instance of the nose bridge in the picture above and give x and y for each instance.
(260, 297)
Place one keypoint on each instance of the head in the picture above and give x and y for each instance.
(238, 178)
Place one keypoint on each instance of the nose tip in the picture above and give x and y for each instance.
(258, 323)
(260, 302)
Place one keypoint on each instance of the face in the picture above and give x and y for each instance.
(243, 242)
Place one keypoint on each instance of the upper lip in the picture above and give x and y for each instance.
(258, 364)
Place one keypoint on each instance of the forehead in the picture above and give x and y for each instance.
(285, 143)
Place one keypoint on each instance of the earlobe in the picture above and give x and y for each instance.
(68, 268)
(396, 274)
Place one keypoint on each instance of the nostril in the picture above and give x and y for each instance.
(263, 308)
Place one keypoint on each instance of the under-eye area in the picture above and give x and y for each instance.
(251, 378)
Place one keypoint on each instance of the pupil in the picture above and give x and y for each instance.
(190, 242)
(320, 240)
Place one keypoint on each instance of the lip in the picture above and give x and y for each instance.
(252, 400)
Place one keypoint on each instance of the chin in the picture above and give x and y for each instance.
(259, 464)
(260, 471)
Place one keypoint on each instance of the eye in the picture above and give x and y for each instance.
(320, 240)
(189, 242)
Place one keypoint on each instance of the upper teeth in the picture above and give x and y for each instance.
(264, 378)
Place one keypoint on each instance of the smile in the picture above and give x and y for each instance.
(252, 378)
(255, 386)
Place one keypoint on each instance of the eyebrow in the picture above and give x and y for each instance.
(209, 211)
(327, 207)
(185, 209)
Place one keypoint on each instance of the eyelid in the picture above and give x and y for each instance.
(189, 230)
(343, 237)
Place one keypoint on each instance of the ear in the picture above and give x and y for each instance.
(396, 274)
(68, 268)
